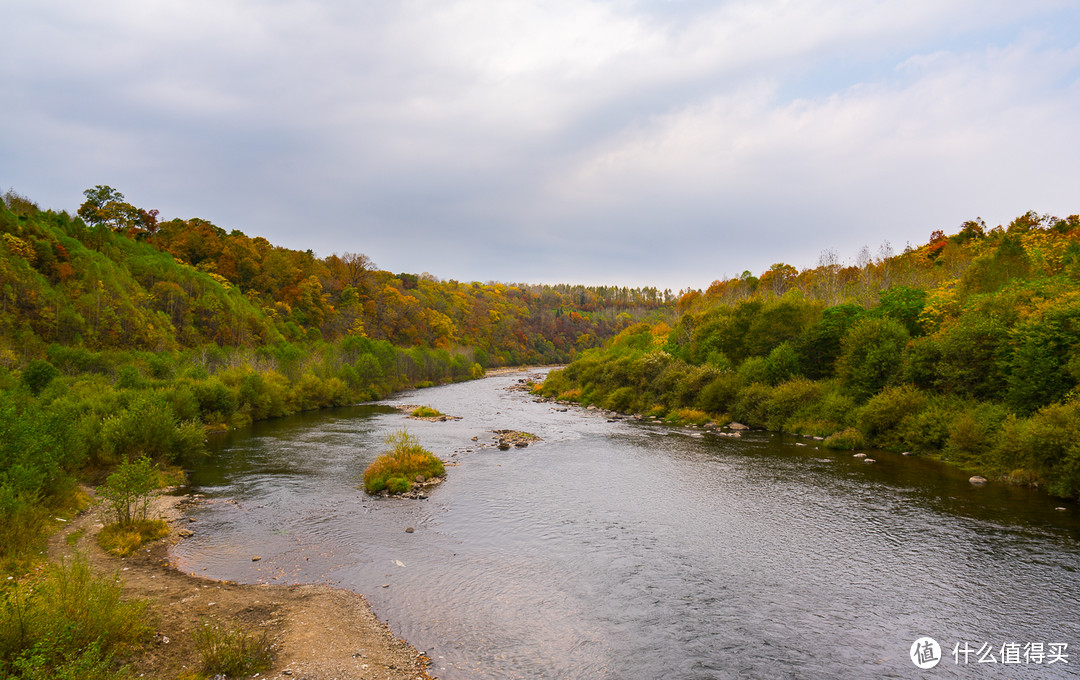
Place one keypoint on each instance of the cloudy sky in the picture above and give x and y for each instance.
(661, 142)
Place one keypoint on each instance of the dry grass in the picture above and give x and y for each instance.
(124, 540)
(396, 469)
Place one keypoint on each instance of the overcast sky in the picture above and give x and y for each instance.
(664, 143)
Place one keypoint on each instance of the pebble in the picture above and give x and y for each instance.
(256, 558)
(409, 530)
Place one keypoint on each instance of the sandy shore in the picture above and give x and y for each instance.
(319, 633)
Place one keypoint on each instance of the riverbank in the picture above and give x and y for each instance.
(318, 632)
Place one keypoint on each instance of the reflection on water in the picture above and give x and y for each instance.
(623, 550)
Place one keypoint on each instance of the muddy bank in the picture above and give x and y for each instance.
(319, 633)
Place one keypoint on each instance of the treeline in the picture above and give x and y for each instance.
(122, 336)
(114, 277)
(966, 348)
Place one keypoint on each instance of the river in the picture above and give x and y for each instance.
(625, 550)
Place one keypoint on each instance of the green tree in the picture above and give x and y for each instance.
(128, 489)
(38, 374)
(871, 356)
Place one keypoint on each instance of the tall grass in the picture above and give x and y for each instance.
(232, 651)
(396, 469)
(68, 623)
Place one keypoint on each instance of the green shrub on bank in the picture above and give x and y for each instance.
(847, 440)
(68, 623)
(396, 469)
(882, 418)
(231, 651)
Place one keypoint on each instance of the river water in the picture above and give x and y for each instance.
(625, 550)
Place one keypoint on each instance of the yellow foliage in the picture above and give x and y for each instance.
(21, 248)
(941, 305)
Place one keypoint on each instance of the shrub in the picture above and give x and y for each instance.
(790, 399)
(68, 624)
(38, 375)
(871, 356)
(402, 463)
(719, 395)
(1047, 445)
(148, 426)
(847, 439)
(880, 419)
(232, 651)
(974, 432)
(621, 399)
(688, 416)
(425, 412)
(127, 490)
(751, 405)
(928, 430)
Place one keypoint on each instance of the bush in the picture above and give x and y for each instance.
(688, 416)
(232, 651)
(149, 426)
(38, 375)
(68, 624)
(425, 412)
(847, 440)
(751, 405)
(973, 433)
(621, 400)
(928, 430)
(719, 395)
(880, 419)
(871, 356)
(1047, 445)
(789, 400)
(128, 489)
(402, 463)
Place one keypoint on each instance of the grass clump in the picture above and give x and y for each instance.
(848, 439)
(688, 416)
(68, 623)
(123, 539)
(232, 651)
(425, 412)
(395, 469)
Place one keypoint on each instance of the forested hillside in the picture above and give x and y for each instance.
(122, 336)
(967, 348)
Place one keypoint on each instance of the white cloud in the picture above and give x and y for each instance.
(566, 128)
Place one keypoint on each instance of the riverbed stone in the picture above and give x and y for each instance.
(978, 480)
